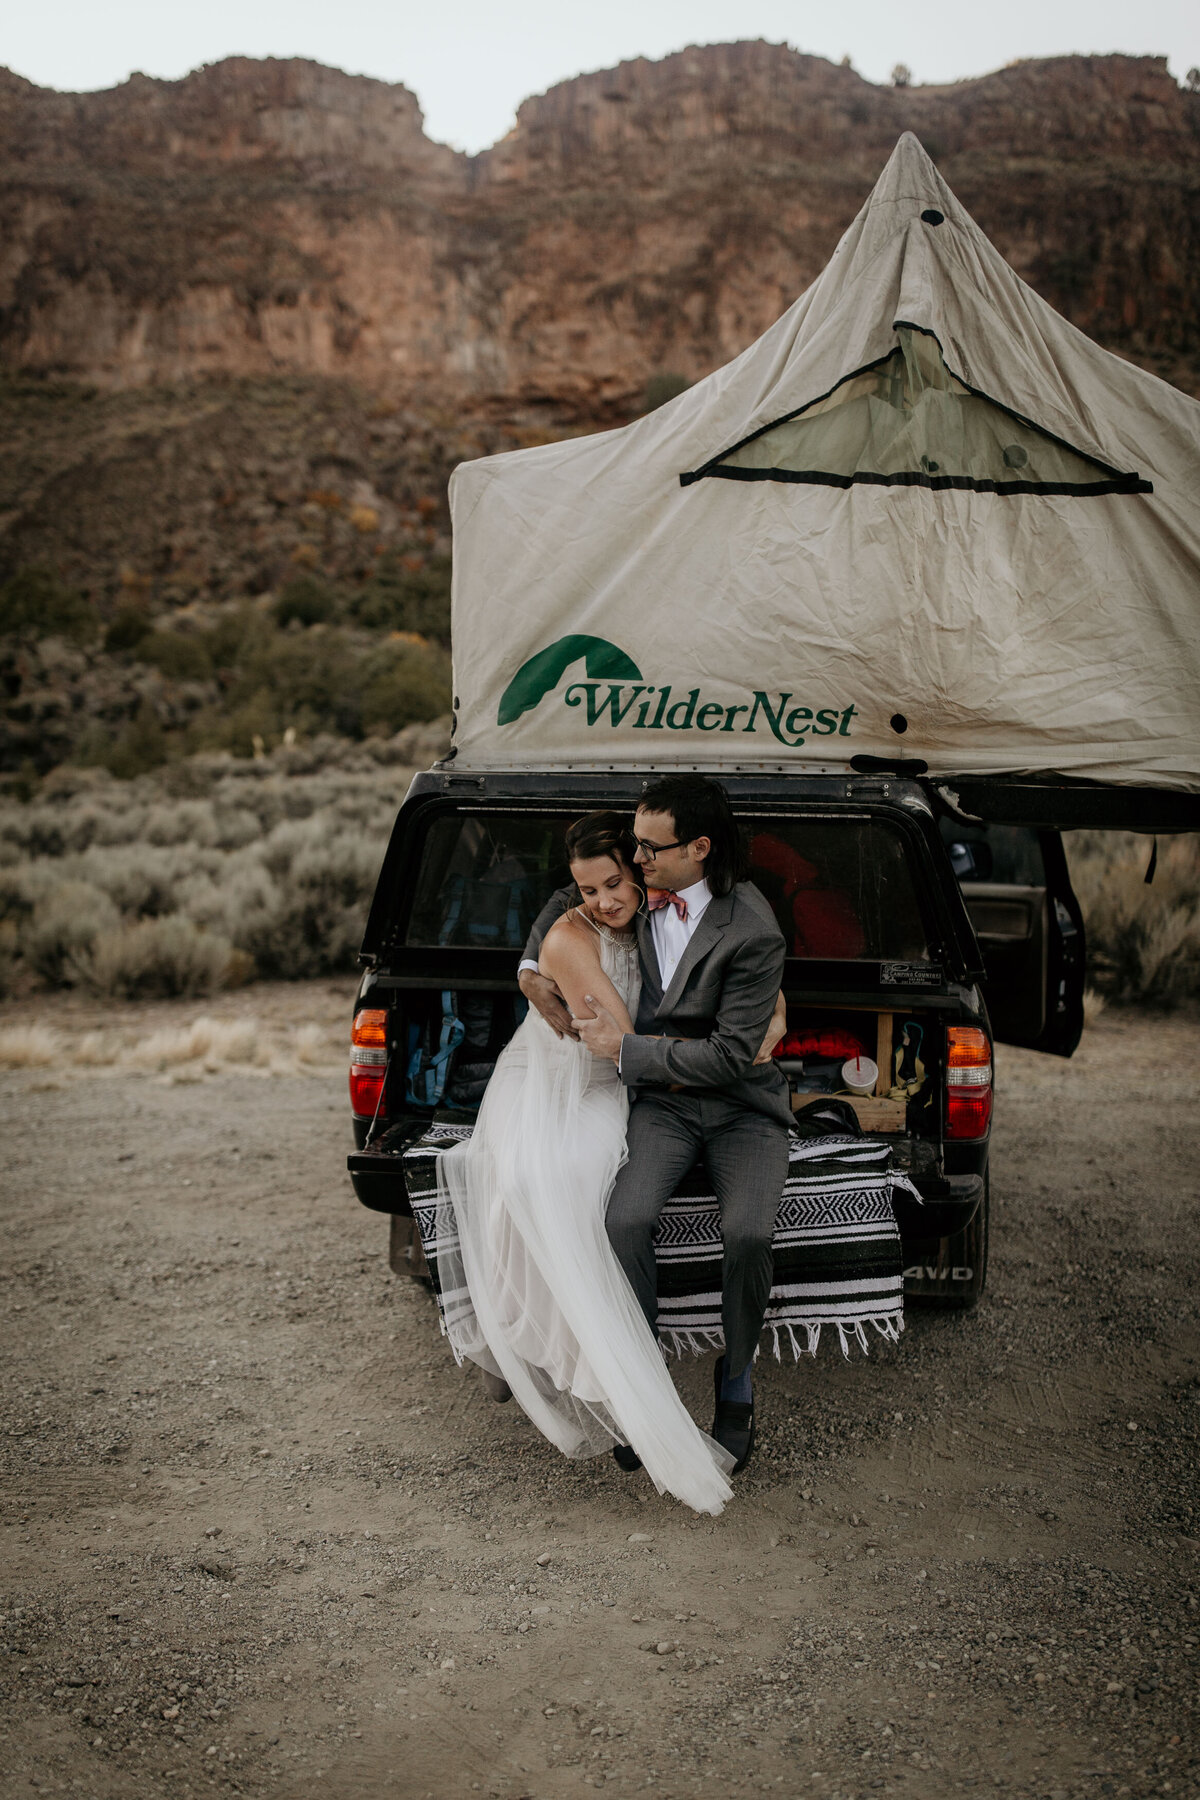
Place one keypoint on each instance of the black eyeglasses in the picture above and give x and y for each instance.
(657, 849)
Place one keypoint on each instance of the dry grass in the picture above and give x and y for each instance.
(29, 1046)
(203, 1046)
(205, 1040)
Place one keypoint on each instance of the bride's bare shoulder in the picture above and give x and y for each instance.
(571, 942)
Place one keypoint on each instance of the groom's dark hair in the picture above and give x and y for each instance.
(700, 808)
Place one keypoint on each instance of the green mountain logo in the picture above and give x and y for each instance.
(543, 672)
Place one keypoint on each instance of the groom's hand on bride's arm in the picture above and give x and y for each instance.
(544, 996)
(602, 1035)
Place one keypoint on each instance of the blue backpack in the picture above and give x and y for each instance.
(429, 1063)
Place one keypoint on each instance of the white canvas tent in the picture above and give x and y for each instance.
(921, 517)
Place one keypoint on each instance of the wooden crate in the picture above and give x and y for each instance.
(874, 1114)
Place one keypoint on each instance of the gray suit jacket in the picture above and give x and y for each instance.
(714, 1014)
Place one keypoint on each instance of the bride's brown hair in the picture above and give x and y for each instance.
(604, 834)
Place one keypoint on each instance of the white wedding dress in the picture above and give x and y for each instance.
(534, 1292)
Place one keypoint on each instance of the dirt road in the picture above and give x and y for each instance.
(261, 1534)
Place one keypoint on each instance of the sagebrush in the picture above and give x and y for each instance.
(1143, 936)
(201, 875)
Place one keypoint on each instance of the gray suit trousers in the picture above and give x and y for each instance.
(746, 1154)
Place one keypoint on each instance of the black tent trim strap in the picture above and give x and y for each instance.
(1121, 484)
(1113, 480)
(1063, 803)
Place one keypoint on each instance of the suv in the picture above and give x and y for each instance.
(915, 936)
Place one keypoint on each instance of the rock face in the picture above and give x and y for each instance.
(268, 218)
(250, 320)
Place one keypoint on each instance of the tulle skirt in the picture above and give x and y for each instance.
(534, 1293)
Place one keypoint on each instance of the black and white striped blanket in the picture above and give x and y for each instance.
(837, 1247)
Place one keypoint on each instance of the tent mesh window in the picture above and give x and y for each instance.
(908, 421)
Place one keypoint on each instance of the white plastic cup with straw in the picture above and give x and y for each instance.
(859, 1074)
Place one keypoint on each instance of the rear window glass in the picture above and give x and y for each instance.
(841, 890)
(485, 877)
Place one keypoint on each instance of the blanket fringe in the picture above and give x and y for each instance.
(803, 1336)
(692, 1342)
(700, 1342)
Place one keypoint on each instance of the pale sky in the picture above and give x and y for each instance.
(471, 62)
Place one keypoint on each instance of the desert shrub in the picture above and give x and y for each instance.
(234, 827)
(16, 896)
(8, 955)
(309, 920)
(241, 730)
(78, 827)
(178, 655)
(308, 681)
(156, 958)
(326, 680)
(406, 684)
(61, 930)
(243, 889)
(141, 746)
(232, 631)
(181, 822)
(401, 597)
(312, 681)
(307, 599)
(36, 831)
(146, 881)
(301, 935)
(36, 602)
(277, 856)
(127, 630)
(1143, 939)
(117, 824)
(283, 846)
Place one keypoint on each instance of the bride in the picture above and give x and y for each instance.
(540, 1299)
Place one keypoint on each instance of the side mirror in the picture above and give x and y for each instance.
(971, 861)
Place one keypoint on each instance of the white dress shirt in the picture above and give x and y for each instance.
(671, 933)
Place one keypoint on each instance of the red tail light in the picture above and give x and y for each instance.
(968, 1082)
(368, 1063)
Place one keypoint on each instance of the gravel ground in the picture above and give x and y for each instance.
(262, 1536)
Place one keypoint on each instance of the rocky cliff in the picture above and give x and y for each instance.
(267, 217)
(250, 320)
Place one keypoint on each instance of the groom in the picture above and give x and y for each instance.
(711, 961)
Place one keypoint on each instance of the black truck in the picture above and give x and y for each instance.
(915, 933)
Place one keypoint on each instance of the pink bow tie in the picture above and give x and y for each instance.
(660, 897)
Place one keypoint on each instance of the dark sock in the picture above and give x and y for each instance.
(736, 1387)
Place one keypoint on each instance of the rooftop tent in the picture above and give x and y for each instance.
(921, 518)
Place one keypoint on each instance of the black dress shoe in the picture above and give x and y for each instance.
(733, 1423)
(626, 1457)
